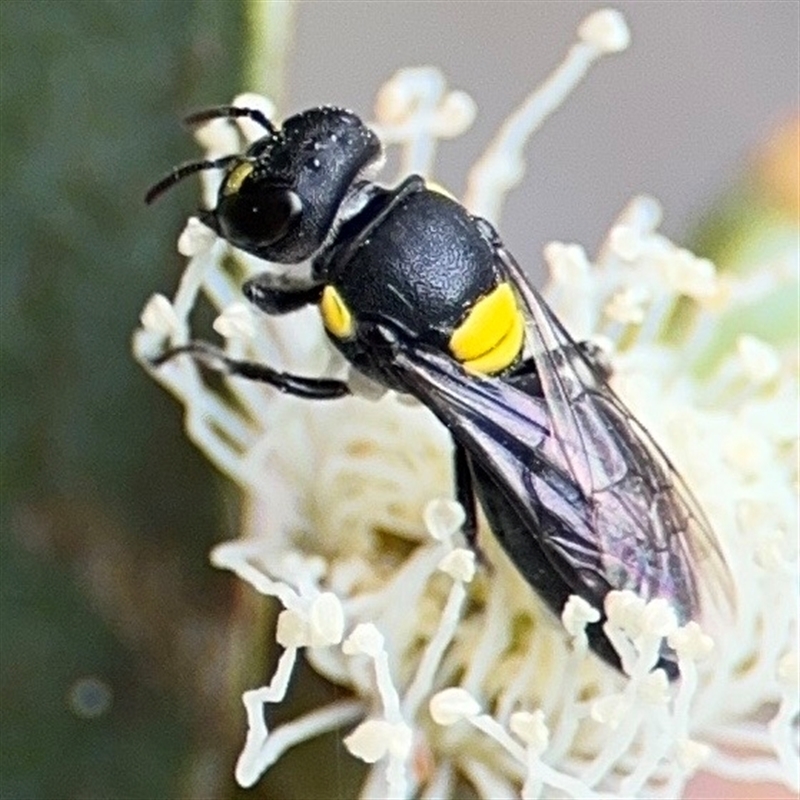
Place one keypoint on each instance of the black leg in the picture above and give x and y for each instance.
(598, 358)
(465, 494)
(214, 358)
(525, 377)
(278, 293)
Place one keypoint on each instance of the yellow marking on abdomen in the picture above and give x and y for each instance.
(492, 335)
(336, 316)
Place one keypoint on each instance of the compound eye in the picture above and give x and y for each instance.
(258, 216)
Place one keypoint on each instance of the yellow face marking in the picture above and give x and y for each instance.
(491, 336)
(336, 316)
(234, 181)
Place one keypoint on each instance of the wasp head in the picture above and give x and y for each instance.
(278, 199)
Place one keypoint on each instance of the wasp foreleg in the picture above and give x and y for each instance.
(279, 293)
(213, 358)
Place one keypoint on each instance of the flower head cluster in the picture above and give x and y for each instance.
(458, 672)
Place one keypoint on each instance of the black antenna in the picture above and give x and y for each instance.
(179, 173)
(230, 112)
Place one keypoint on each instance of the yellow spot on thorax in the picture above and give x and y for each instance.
(439, 189)
(336, 316)
(492, 335)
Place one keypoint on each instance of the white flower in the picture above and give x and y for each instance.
(348, 528)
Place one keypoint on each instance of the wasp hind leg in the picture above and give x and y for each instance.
(525, 375)
(598, 359)
(215, 359)
(465, 495)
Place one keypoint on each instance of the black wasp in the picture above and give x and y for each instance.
(423, 298)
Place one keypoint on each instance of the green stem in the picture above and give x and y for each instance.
(269, 32)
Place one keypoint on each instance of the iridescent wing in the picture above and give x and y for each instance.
(507, 433)
(650, 531)
(584, 479)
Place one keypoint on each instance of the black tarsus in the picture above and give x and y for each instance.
(276, 293)
(465, 494)
(597, 358)
(213, 358)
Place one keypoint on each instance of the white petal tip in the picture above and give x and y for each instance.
(689, 642)
(235, 322)
(374, 738)
(326, 620)
(687, 274)
(610, 710)
(195, 238)
(292, 629)
(691, 755)
(455, 115)
(459, 564)
(654, 688)
(159, 317)
(759, 361)
(451, 705)
(365, 639)
(626, 242)
(625, 611)
(443, 518)
(568, 263)
(606, 30)
(577, 614)
(659, 618)
(531, 729)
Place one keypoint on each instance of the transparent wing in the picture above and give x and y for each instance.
(507, 433)
(651, 534)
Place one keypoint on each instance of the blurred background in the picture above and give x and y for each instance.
(123, 652)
